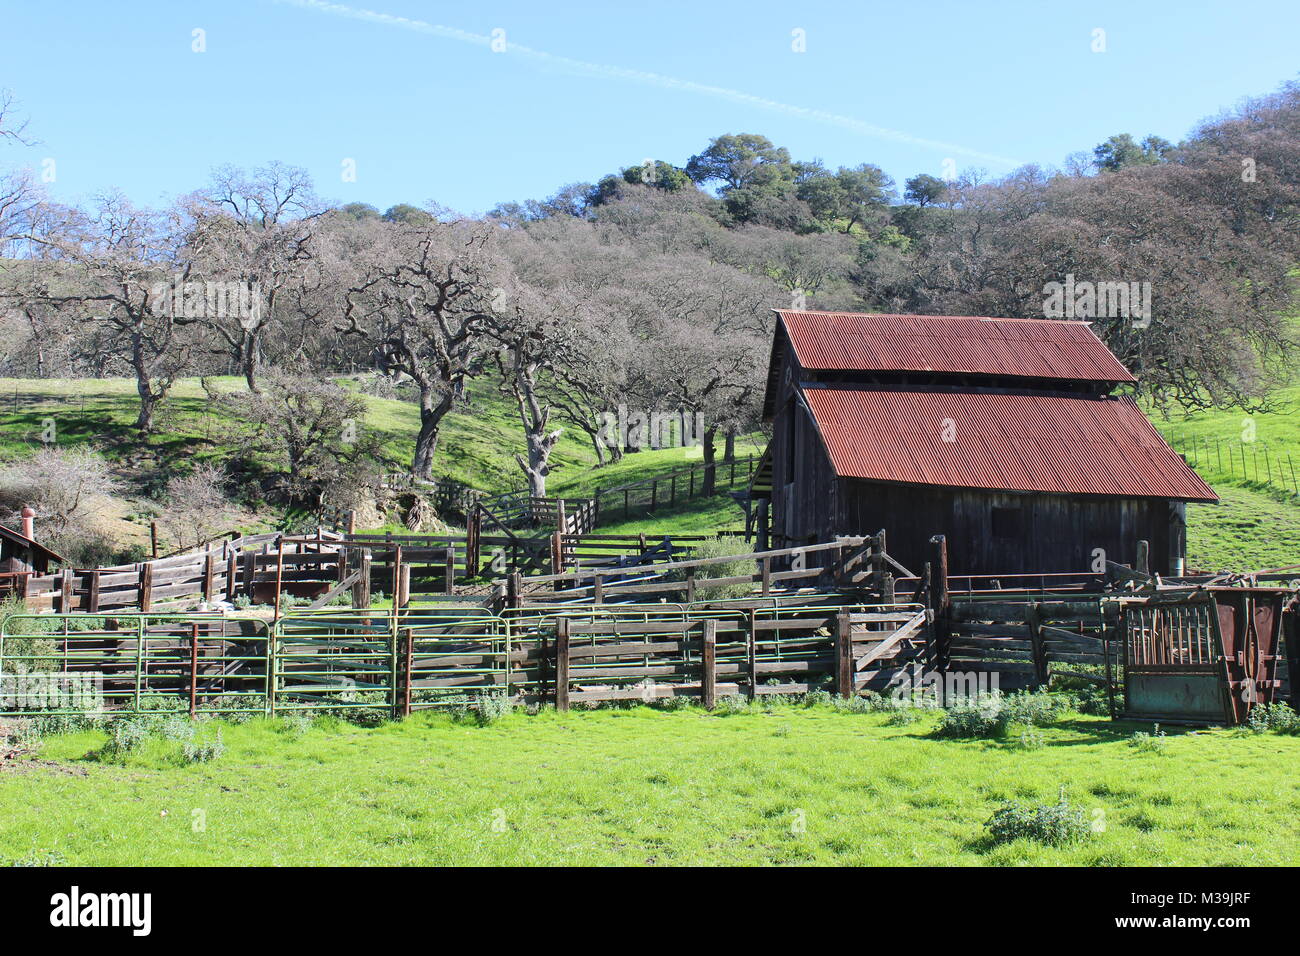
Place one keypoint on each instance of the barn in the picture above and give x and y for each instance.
(1011, 437)
(21, 555)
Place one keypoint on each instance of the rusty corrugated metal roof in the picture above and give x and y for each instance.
(976, 345)
(1017, 442)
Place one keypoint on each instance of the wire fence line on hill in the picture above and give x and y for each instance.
(1249, 461)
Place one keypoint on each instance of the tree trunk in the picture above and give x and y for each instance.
(144, 422)
(729, 450)
(599, 446)
(432, 410)
(710, 469)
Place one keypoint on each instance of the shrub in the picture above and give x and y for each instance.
(732, 704)
(902, 716)
(1058, 824)
(203, 751)
(1153, 742)
(719, 548)
(1279, 718)
(673, 703)
(489, 708)
(1035, 709)
(982, 717)
(125, 735)
(818, 698)
(295, 724)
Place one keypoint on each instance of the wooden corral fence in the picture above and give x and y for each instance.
(398, 662)
(665, 491)
(848, 562)
(257, 565)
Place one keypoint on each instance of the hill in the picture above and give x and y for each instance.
(1257, 524)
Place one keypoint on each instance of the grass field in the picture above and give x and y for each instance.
(795, 785)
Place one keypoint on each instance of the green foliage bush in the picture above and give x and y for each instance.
(719, 548)
(983, 716)
(1277, 718)
(1058, 824)
(1034, 709)
(1144, 742)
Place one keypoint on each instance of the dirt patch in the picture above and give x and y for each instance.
(33, 765)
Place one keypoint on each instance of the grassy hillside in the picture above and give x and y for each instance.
(789, 785)
(1257, 524)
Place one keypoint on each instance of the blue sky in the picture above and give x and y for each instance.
(117, 97)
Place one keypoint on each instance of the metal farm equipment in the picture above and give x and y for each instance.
(1204, 657)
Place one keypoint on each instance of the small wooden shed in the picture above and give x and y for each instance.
(20, 556)
(1004, 435)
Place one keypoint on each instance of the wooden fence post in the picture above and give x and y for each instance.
(93, 600)
(844, 654)
(598, 589)
(1143, 565)
(350, 522)
(765, 569)
(68, 589)
(709, 665)
(561, 664)
(557, 552)
(146, 586)
(514, 584)
(473, 547)
(940, 602)
(279, 574)
(451, 569)
(361, 590)
(209, 575)
(232, 574)
(1039, 653)
(397, 577)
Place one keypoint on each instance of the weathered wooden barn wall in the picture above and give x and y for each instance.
(1003, 532)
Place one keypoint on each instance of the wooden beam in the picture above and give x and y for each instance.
(709, 664)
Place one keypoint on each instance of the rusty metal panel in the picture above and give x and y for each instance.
(1048, 443)
(977, 345)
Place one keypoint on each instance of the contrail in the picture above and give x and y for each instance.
(649, 79)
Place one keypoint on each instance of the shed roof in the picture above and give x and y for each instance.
(976, 345)
(24, 542)
(999, 441)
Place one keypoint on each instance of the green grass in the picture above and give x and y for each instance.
(641, 786)
(1249, 530)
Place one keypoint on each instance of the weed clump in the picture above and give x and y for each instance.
(1058, 824)
(1144, 742)
(1278, 718)
(982, 716)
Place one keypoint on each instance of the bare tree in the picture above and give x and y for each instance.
(195, 506)
(254, 228)
(422, 303)
(124, 266)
